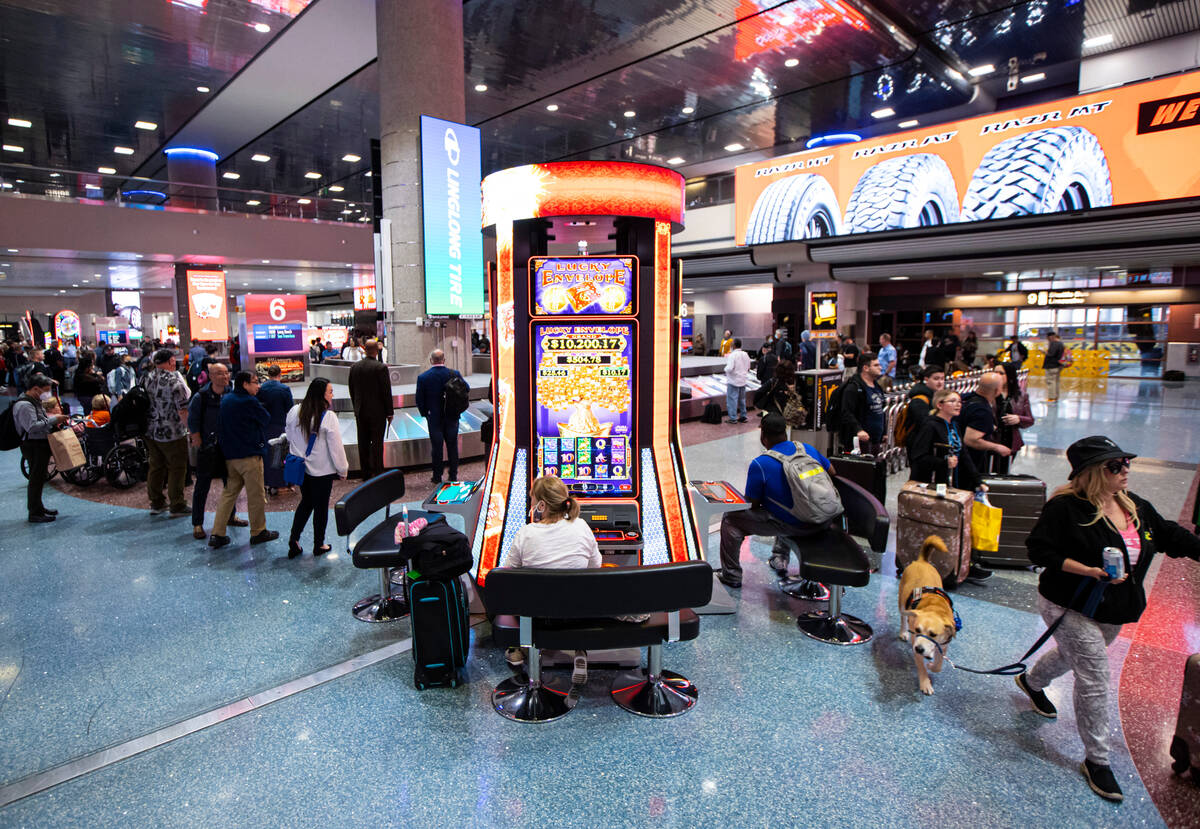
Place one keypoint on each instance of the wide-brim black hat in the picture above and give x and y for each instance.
(1092, 450)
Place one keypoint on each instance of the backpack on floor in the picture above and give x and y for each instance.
(815, 499)
(712, 413)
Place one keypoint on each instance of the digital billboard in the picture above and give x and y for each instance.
(583, 406)
(207, 312)
(451, 217)
(1119, 146)
(575, 285)
(275, 323)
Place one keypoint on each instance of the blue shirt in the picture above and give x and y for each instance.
(765, 483)
(242, 425)
(278, 401)
(887, 360)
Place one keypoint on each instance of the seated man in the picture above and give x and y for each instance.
(772, 511)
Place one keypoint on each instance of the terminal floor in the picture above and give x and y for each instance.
(114, 624)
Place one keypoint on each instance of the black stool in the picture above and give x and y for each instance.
(835, 559)
(799, 587)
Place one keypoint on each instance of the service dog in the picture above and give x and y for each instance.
(927, 617)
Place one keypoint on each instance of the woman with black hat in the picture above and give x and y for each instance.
(1092, 513)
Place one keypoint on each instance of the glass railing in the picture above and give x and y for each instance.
(154, 194)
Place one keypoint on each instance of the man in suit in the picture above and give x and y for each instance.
(443, 426)
(371, 396)
(278, 401)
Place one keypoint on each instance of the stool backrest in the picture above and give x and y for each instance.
(367, 498)
(865, 516)
(607, 591)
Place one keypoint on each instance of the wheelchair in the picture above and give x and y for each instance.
(115, 452)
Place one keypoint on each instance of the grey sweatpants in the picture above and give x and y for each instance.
(1081, 646)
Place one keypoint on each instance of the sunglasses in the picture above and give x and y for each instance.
(1117, 466)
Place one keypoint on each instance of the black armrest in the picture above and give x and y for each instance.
(865, 516)
(607, 591)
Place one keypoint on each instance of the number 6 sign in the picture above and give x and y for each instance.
(275, 323)
(278, 309)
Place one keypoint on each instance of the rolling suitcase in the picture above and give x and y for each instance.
(922, 513)
(1022, 498)
(1185, 746)
(440, 631)
(867, 471)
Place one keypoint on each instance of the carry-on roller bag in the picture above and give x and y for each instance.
(867, 471)
(440, 631)
(923, 513)
(1022, 498)
(1185, 747)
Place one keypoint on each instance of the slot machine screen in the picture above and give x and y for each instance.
(584, 406)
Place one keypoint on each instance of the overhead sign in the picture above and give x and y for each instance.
(365, 298)
(275, 323)
(1057, 298)
(1121, 146)
(208, 314)
(451, 211)
(822, 313)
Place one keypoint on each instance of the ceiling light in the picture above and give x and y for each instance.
(733, 148)
(1098, 40)
(253, 203)
(481, 87)
(688, 110)
(832, 139)
(13, 250)
(56, 175)
(347, 211)
(231, 175)
(145, 125)
(336, 188)
(311, 174)
(1108, 267)
(303, 201)
(13, 148)
(262, 27)
(260, 158)
(266, 261)
(123, 150)
(907, 124)
(245, 284)
(898, 278)
(90, 186)
(629, 113)
(349, 265)
(993, 273)
(886, 112)
(186, 151)
(954, 74)
(202, 89)
(352, 158)
(790, 62)
(367, 174)
(675, 161)
(19, 122)
(1034, 78)
(979, 71)
(108, 171)
(74, 284)
(552, 107)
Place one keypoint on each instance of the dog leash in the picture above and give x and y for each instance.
(1019, 667)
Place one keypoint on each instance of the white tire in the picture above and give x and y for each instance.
(802, 206)
(906, 191)
(1045, 171)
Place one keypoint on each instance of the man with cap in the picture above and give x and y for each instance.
(167, 435)
(1092, 513)
(1053, 364)
(770, 498)
(34, 426)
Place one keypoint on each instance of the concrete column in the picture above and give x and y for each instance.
(421, 72)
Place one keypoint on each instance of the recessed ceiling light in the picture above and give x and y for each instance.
(311, 174)
(688, 110)
(74, 284)
(367, 174)
(138, 255)
(552, 107)
(352, 158)
(954, 74)
(13, 250)
(347, 211)
(1034, 78)
(733, 148)
(20, 122)
(790, 62)
(232, 176)
(907, 124)
(993, 273)
(262, 27)
(1098, 40)
(481, 87)
(349, 265)
(303, 201)
(266, 261)
(1108, 267)
(90, 186)
(56, 175)
(245, 284)
(886, 112)
(253, 203)
(336, 188)
(145, 125)
(629, 113)
(13, 148)
(260, 158)
(676, 160)
(202, 89)
(980, 71)
(123, 150)
(898, 278)
(108, 171)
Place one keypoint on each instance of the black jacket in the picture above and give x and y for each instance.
(926, 464)
(371, 391)
(204, 411)
(856, 407)
(772, 396)
(431, 385)
(918, 410)
(1060, 534)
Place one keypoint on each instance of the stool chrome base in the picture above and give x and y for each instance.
(525, 700)
(665, 695)
(381, 608)
(839, 629)
(805, 589)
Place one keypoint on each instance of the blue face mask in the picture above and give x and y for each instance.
(538, 511)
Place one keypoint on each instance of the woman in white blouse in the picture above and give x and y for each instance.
(326, 461)
(353, 352)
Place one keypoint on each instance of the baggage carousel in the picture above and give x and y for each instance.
(702, 381)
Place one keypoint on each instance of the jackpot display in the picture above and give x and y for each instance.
(584, 406)
(1121, 146)
(574, 285)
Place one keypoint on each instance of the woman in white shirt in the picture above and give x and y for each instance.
(326, 461)
(353, 352)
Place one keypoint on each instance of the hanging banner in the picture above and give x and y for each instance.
(451, 212)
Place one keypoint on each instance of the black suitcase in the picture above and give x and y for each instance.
(712, 413)
(1185, 745)
(440, 631)
(1022, 498)
(867, 471)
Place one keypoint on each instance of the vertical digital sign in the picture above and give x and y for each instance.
(207, 311)
(451, 217)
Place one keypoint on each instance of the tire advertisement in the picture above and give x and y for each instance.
(1119, 146)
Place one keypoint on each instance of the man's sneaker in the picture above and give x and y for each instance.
(728, 580)
(157, 510)
(216, 541)
(579, 671)
(978, 574)
(1102, 781)
(177, 512)
(515, 657)
(743, 419)
(1041, 702)
(779, 563)
(264, 536)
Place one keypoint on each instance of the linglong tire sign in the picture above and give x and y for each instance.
(451, 213)
(1119, 146)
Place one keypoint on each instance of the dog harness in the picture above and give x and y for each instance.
(922, 592)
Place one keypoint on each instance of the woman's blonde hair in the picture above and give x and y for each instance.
(553, 493)
(1090, 486)
(940, 396)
